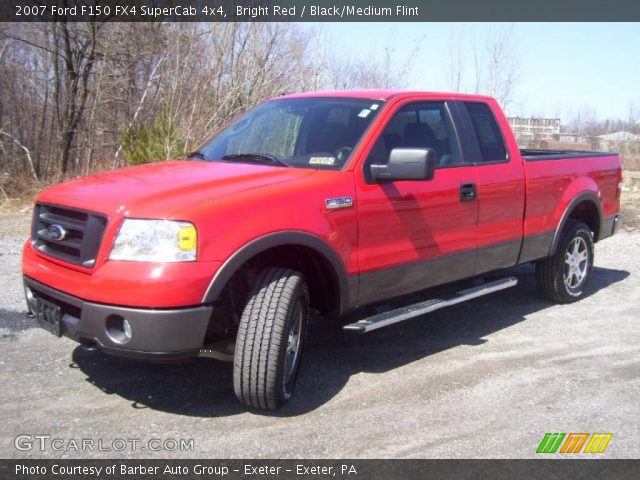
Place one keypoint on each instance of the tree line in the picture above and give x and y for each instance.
(81, 97)
(76, 98)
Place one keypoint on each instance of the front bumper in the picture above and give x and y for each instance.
(156, 334)
(149, 285)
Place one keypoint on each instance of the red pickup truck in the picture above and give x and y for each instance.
(326, 202)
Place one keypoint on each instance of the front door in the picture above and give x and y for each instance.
(415, 234)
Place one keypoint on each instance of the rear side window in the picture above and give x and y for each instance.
(488, 133)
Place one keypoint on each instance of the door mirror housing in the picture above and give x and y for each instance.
(406, 164)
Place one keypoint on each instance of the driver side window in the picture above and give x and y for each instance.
(419, 125)
(332, 132)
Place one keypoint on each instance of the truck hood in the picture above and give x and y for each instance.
(157, 190)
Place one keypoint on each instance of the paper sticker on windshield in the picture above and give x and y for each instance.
(322, 161)
(374, 106)
(364, 113)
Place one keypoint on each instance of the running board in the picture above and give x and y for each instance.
(405, 313)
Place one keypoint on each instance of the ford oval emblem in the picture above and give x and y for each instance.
(56, 232)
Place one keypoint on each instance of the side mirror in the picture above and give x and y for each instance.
(406, 164)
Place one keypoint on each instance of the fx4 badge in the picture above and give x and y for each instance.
(340, 202)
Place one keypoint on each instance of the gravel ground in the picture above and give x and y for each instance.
(483, 379)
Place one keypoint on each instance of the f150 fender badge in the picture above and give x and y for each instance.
(340, 202)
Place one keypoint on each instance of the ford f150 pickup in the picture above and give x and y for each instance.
(325, 202)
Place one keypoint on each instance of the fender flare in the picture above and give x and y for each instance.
(261, 244)
(582, 197)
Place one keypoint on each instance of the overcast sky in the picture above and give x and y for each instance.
(564, 67)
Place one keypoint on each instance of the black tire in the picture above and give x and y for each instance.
(555, 277)
(264, 366)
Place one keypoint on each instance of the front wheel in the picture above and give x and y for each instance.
(564, 276)
(270, 339)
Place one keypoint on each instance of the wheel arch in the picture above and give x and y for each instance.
(585, 207)
(321, 253)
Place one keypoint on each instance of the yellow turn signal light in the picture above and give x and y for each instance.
(188, 238)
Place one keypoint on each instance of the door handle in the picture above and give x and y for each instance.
(468, 192)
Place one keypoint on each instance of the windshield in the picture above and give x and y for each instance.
(294, 132)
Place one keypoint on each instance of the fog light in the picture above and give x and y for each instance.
(126, 328)
(119, 329)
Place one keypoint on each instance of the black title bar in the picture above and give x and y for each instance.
(318, 10)
(320, 469)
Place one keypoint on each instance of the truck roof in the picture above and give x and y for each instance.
(382, 94)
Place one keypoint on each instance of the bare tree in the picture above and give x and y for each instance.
(633, 118)
(72, 49)
(25, 150)
(488, 65)
(502, 65)
(76, 53)
(584, 122)
(344, 72)
(455, 67)
(140, 103)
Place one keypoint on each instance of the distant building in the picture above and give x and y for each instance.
(529, 130)
(612, 141)
(532, 132)
(627, 144)
(573, 138)
(621, 136)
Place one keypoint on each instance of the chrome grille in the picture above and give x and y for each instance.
(67, 234)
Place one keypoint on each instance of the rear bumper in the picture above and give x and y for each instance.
(156, 334)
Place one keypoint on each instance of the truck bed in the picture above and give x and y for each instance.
(555, 178)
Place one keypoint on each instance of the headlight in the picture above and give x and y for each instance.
(155, 241)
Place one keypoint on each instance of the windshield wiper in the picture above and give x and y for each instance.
(257, 158)
(196, 154)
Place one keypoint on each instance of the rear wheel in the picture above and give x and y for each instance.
(270, 339)
(564, 276)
